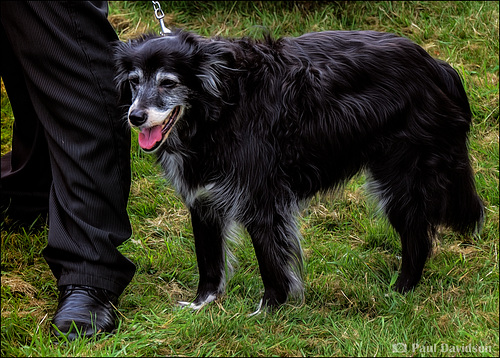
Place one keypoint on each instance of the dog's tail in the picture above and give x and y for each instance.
(452, 84)
(464, 209)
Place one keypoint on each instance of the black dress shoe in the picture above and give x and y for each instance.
(84, 311)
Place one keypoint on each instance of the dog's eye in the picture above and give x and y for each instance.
(134, 81)
(167, 83)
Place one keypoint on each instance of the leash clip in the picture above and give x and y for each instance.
(160, 15)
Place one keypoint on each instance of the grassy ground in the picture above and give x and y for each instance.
(352, 255)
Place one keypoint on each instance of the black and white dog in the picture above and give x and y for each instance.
(247, 131)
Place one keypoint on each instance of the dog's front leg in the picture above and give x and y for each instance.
(209, 243)
(276, 241)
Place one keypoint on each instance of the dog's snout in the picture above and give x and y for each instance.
(138, 117)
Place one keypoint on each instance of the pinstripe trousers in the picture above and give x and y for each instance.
(70, 152)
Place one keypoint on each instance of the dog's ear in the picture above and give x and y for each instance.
(215, 67)
(121, 51)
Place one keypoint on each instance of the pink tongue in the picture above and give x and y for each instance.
(149, 137)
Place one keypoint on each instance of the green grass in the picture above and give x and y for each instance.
(351, 254)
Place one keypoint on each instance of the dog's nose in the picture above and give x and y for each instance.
(138, 117)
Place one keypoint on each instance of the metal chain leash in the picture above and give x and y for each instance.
(160, 15)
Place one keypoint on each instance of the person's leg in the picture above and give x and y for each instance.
(64, 51)
(22, 197)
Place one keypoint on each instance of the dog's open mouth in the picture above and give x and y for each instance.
(150, 138)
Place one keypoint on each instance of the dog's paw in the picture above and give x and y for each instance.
(198, 304)
(258, 311)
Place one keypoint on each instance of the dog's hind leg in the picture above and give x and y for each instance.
(409, 219)
(412, 207)
(276, 241)
(208, 233)
(416, 247)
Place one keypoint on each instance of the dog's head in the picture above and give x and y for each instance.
(160, 78)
